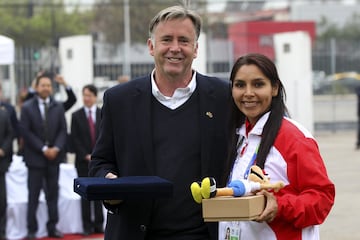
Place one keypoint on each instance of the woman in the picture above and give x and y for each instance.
(265, 136)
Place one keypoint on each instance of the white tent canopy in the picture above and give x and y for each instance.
(7, 50)
(7, 57)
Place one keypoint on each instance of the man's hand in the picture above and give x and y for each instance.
(60, 80)
(51, 153)
(88, 157)
(111, 175)
(112, 202)
(271, 207)
(2, 153)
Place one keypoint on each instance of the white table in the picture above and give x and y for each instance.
(17, 192)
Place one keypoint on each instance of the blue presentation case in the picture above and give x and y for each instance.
(129, 187)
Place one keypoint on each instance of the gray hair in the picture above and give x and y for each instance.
(176, 12)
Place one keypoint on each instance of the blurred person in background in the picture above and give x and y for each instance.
(357, 92)
(13, 118)
(123, 79)
(43, 128)
(6, 141)
(85, 124)
(70, 101)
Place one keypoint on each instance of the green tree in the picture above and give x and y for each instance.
(350, 31)
(328, 30)
(41, 23)
(109, 17)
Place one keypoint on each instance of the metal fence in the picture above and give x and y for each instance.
(328, 57)
(336, 55)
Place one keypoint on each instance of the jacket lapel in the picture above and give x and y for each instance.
(143, 119)
(83, 118)
(97, 123)
(36, 107)
(207, 102)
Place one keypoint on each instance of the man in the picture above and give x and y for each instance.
(85, 123)
(44, 131)
(171, 123)
(6, 138)
(70, 101)
(13, 118)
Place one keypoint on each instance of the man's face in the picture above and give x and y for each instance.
(44, 87)
(89, 98)
(174, 46)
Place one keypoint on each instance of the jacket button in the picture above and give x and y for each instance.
(143, 228)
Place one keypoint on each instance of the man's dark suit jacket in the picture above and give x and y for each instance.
(80, 135)
(124, 144)
(6, 139)
(32, 130)
(13, 117)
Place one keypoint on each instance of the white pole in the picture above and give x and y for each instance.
(186, 3)
(333, 71)
(12, 85)
(126, 62)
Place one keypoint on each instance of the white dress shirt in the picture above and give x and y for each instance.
(180, 96)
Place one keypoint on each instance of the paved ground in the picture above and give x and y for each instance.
(343, 165)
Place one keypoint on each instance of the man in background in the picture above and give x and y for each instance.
(6, 141)
(13, 119)
(67, 104)
(85, 124)
(357, 92)
(123, 79)
(43, 128)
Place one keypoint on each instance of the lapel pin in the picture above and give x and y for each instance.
(209, 114)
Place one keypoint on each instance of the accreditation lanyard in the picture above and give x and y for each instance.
(241, 152)
(252, 162)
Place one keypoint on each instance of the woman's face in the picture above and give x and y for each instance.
(252, 92)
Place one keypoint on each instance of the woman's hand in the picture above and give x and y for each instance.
(271, 207)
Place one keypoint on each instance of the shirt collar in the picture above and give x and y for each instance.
(257, 129)
(179, 93)
(92, 109)
(41, 101)
(248, 126)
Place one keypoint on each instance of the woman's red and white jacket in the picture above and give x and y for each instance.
(309, 194)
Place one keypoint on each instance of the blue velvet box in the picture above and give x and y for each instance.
(130, 187)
